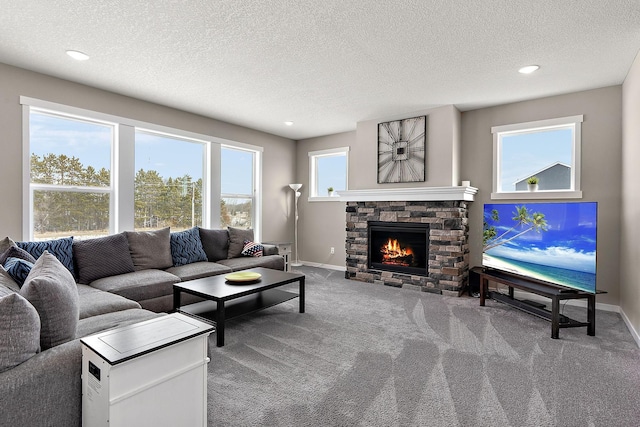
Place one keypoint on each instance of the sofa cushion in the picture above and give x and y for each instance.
(150, 249)
(7, 280)
(52, 290)
(19, 329)
(186, 247)
(60, 248)
(102, 257)
(237, 236)
(94, 302)
(252, 249)
(6, 243)
(275, 262)
(215, 243)
(14, 251)
(18, 268)
(139, 285)
(197, 270)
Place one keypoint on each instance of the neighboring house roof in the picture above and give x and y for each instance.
(542, 170)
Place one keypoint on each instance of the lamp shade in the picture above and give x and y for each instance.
(295, 187)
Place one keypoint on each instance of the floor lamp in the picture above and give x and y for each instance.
(295, 188)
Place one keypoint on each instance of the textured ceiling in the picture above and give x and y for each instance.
(324, 65)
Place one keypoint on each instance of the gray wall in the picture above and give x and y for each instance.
(279, 153)
(322, 223)
(630, 244)
(601, 163)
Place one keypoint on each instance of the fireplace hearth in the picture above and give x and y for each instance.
(399, 247)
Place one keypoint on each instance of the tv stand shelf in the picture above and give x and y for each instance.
(553, 292)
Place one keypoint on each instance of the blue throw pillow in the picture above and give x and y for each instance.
(18, 268)
(60, 248)
(186, 247)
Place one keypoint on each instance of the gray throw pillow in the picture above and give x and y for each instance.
(19, 329)
(215, 243)
(6, 243)
(150, 249)
(16, 252)
(237, 236)
(52, 290)
(7, 280)
(102, 257)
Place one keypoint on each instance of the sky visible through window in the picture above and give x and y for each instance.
(525, 154)
(331, 172)
(91, 143)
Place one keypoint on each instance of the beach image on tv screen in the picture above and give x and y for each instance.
(553, 242)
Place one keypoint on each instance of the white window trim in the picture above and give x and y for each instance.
(313, 173)
(575, 191)
(123, 168)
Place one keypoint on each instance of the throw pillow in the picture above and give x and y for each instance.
(19, 329)
(186, 247)
(52, 290)
(252, 249)
(7, 280)
(215, 243)
(150, 249)
(18, 269)
(237, 236)
(102, 257)
(60, 248)
(6, 243)
(16, 252)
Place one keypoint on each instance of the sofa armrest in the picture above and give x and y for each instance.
(269, 249)
(44, 390)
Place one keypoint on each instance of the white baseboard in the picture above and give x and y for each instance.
(633, 331)
(327, 266)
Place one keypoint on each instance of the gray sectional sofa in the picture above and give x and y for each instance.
(108, 282)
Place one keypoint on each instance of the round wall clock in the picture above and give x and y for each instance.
(401, 150)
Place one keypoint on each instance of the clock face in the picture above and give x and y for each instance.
(401, 150)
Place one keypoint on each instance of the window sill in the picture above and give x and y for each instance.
(325, 199)
(537, 195)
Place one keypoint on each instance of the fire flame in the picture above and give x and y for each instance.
(393, 253)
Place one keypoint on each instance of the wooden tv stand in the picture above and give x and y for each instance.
(554, 292)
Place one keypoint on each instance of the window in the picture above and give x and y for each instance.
(70, 175)
(548, 150)
(238, 187)
(168, 182)
(328, 169)
(93, 174)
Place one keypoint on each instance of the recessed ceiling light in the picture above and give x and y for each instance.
(77, 55)
(528, 69)
(288, 123)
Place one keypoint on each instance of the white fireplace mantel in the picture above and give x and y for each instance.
(432, 194)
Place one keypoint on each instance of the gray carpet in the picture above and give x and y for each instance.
(371, 355)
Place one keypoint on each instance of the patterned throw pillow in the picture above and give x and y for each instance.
(18, 268)
(252, 249)
(60, 248)
(186, 247)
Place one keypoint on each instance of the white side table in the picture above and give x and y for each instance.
(284, 249)
(150, 373)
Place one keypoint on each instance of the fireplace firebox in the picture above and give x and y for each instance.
(399, 247)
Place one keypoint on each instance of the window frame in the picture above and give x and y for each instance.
(573, 122)
(256, 200)
(313, 172)
(123, 166)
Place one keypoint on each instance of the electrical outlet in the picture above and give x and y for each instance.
(332, 250)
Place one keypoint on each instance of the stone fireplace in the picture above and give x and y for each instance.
(414, 243)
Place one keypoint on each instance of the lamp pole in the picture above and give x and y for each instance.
(296, 188)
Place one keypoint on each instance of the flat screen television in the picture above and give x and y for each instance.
(551, 242)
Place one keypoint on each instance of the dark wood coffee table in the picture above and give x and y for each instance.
(226, 300)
